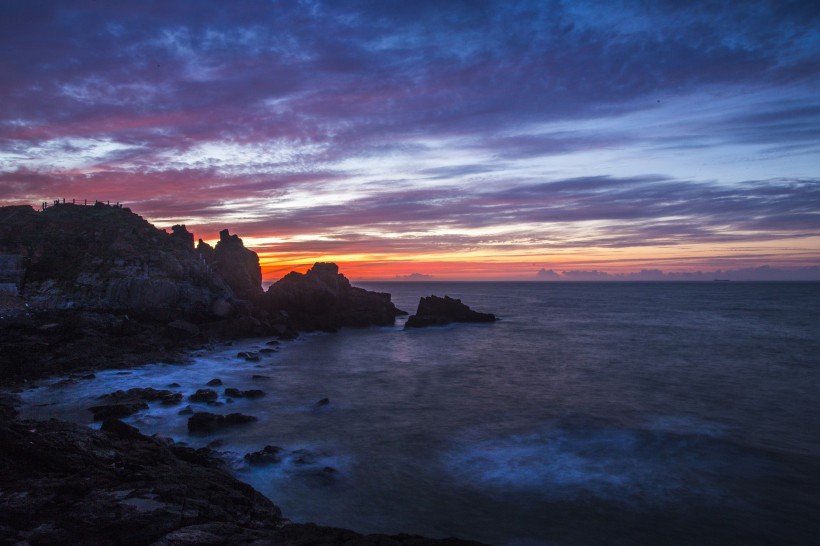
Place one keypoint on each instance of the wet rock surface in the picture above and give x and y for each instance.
(203, 422)
(250, 393)
(63, 483)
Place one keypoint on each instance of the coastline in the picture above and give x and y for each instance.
(144, 489)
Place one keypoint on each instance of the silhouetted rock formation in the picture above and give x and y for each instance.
(322, 299)
(238, 265)
(436, 311)
(105, 258)
(98, 286)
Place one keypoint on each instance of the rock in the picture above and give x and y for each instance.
(235, 263)
(204, 395)
(272, 343)
(215, 382)
(121, 430)
(116, 411)
(204, 422)
(323, 402)
(173, 385)
(64, 483)
(68, 484)
(303, 457)
(323, 299)
(324, 477)
(107, 258)
(254, 393)
(257, 377)
(148, 394)
(171, 399)
(188, 410)
(236, 393)
(265, 456)
(436, 311)
(266, 351)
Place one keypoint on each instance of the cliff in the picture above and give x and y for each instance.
(106, 258)
(236, 264)
(85, 287)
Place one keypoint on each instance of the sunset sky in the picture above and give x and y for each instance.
(463, 140)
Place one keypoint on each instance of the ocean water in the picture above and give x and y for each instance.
(592, 413)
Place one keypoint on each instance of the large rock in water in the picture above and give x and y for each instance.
(436, 311)
(323, 299)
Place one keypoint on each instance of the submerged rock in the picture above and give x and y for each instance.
(251, 393)
(204, 422)
(204, 395)
(265, 456)
(436, 311)
(116, 411)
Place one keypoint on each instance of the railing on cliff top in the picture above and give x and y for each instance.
(82, 202)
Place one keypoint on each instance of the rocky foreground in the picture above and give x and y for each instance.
(62, 483)
(84, 288)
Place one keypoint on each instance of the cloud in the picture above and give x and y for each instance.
(547, 275)
(761, 273)
(462, 127)
(415, 277)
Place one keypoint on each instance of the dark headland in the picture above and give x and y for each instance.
(90, 287)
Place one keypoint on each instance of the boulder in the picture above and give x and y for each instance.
(204, 422)
(265, 456)
(116, 411)
(323, 299)
(436, 311)
(236, 393)
(204, 395)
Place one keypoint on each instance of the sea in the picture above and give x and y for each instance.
(590, 413)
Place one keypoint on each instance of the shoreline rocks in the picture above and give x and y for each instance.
(203, 422)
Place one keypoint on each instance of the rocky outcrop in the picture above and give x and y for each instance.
(67, 484)
(236, 264)
(323, 299)
(106, 258)
(436, 311)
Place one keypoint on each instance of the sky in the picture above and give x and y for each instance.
(430, 138)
